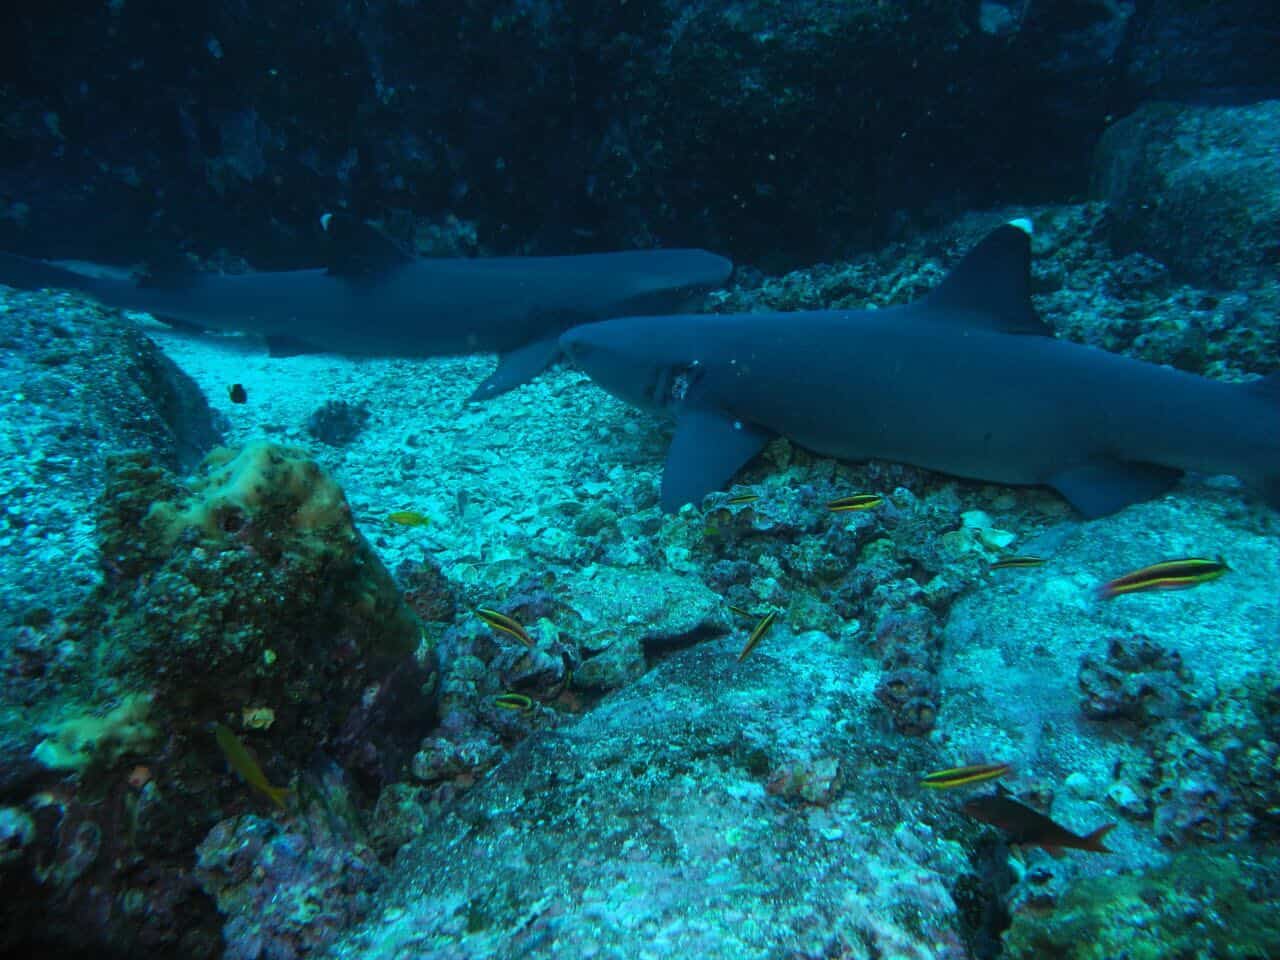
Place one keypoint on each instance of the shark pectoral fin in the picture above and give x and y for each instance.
(283, 345)
(183, 326)
(518, 366)
(1100, 487)
(708, 448)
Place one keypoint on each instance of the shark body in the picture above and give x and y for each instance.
(514, 306)
(966, 381)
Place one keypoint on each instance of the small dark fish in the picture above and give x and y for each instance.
(513, 701)
(1017, 563)
(1028, 827)
(962, 776)
(237, 393)
(757, 634)
(741, 498)
(242, 762)
(1167, 575)
(409, 518)
(740, 612)
(500, 621)
(859, 501)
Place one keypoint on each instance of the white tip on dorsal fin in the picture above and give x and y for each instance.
(991, 287)
(1023, 224)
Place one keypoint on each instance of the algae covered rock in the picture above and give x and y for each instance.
(247, 593)
(1218, 902)
(245, 638)
(286, 893)
(253, 566)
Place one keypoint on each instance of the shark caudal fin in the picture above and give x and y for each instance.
(991, 286)
(27, 273)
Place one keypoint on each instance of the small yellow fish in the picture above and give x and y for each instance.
(859, 501)
(242, 762)
(408, 518)
(1168, 575)
(513, 701)
(740, 498)
(740, 612)
(757, 634)
(1016, 563)
(961, 776)
(500, 621)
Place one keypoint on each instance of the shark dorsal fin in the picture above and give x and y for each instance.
(1268, 386)
(991, 287)
(359, 248)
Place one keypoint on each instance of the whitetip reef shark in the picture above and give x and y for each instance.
(410, 307)
(967, 381)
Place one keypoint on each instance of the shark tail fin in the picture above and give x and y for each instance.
(991, 286)
(27, 273)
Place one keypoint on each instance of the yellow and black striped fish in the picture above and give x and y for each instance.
(859, 501)
(962, 776)
(1017, 563)
(505, 624)
(1166, 575)
(757, 633)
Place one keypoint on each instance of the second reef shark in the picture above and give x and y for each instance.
(390, 304)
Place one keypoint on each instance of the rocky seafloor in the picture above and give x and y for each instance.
(647, 793)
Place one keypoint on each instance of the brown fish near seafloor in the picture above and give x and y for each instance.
(1029, 827)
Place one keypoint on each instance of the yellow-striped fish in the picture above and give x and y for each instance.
(1017, 563)
(859, 501)
(740, 498)
(962, 776)
(513, 701)
(408, 518)
(757, 634)
(1167, 575)
(242, 762)
(500, 621)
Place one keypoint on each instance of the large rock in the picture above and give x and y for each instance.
(713, 809)
(81, 383)
(1196, 187)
